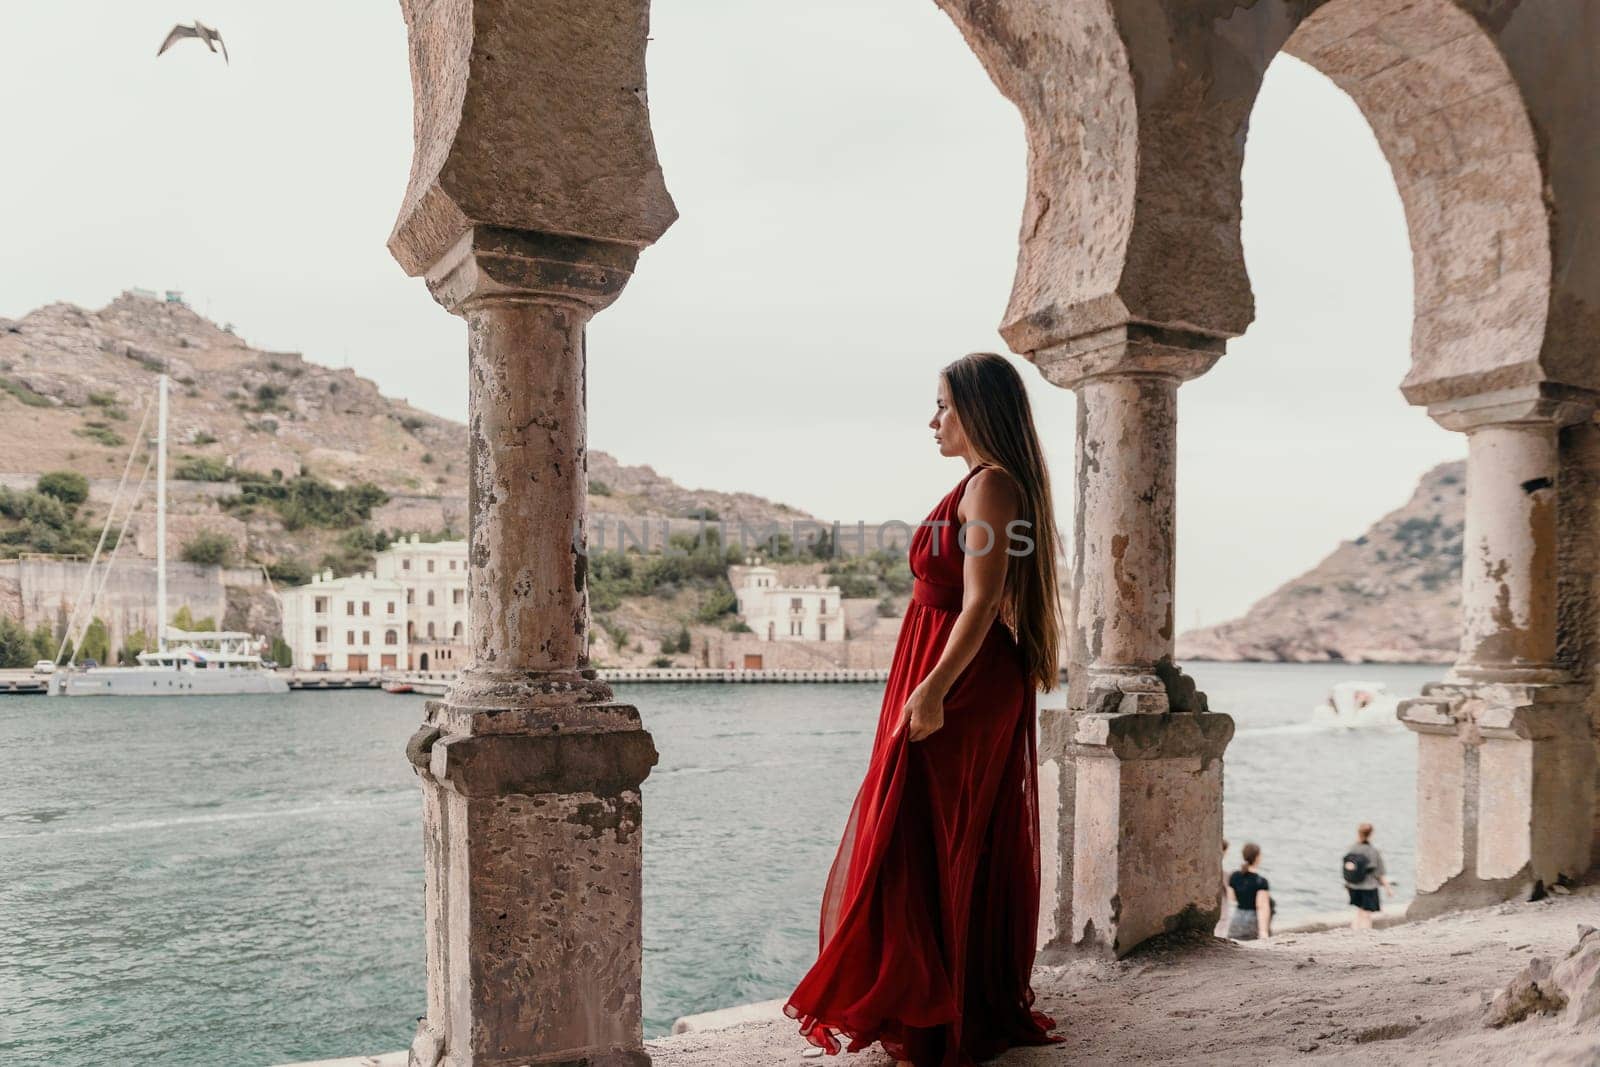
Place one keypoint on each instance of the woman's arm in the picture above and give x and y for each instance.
(1264, 913)
(995, 502)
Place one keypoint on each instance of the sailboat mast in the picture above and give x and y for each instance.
(161, 515)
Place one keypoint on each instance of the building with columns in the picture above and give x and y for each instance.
(535, 187)
(777, 612)
(357, 623)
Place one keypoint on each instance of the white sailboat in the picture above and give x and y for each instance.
(211, 663)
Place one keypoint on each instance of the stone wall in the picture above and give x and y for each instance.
(41, 591)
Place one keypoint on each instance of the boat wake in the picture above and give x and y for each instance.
(398, 798)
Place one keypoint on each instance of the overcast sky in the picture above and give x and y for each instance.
(850, 185)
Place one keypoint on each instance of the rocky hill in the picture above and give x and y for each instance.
(1390, 596)
(74, 385)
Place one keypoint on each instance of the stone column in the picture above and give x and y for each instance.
(1136, 760)
(1578, 605)
(1505, 772)
(530, 771)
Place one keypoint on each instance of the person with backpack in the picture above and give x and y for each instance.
(1362, 869)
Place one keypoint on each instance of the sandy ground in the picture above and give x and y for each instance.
(1410, 994)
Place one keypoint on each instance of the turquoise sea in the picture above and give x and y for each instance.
(239, 881)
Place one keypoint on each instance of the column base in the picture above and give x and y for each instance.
(1144, 804)
(532, 856)
(1505, 792)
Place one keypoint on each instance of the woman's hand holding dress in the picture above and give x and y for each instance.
(924, 712)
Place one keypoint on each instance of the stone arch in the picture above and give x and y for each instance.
(1452, 123)
(1136, 116)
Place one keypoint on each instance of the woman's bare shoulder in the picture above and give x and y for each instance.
(992, 489)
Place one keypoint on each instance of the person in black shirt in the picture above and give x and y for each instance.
(1252, 903)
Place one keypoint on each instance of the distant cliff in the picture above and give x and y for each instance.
(1389, 596)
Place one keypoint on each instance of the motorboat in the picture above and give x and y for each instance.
(203, 663)
(1357, 705)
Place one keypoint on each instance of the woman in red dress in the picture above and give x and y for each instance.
(930, 911)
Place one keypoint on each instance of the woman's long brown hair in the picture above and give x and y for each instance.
(990, 401)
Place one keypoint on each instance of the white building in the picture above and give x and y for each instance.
(351, 624)
(786, 612)
(433, 575)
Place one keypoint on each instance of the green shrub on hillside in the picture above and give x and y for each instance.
(42, 522)
(309, 501)
(269, 397)
(69, 487)
(203, 469)
(289, 572)
(109, 403)
(24, 394)
(356, 548)
(719, 604)
(208, 547)
(101, 432)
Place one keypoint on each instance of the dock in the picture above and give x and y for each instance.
(629, 676)
(23, 681)
(333, 680)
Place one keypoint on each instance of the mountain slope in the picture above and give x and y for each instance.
(1390, 596)
(74, 383)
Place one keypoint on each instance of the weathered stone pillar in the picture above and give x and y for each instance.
(1578, 602)
(530, 771)
(1505, 774)
(534, 186)
(1136, 761)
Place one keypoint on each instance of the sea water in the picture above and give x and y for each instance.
(239, 880)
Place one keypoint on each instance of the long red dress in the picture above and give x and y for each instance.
(930, 910)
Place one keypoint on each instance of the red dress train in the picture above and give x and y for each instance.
(930, 911)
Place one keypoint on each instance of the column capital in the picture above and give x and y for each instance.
(1131, 349)
(1544, 403)
(492, 264)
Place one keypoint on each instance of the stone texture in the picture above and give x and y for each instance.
(1131, 772)
(1570, 989)
(1578, 587)
(534, 185)
(1135, 115)
(1531, 992)
(532, 853)
(1508, 712)
(1578, 979)
(1449, 116)
(530, 773)
(1146, 830)
(530, 115)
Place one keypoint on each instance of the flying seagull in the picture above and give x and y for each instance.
(199, 30)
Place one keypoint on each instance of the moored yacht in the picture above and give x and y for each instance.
(215, 663)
